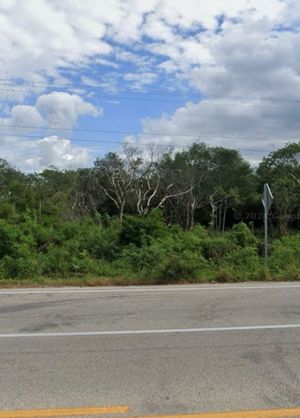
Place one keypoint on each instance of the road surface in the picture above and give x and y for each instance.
(151, 351)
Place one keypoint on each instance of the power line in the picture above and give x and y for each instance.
(118, 142)
(119, 98)
(103, 141)
(124, 132)
(83, 86)
(204, 101)
(75, 86)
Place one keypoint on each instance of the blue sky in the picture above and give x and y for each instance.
(162, 72)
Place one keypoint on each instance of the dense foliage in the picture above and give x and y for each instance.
(194, 215)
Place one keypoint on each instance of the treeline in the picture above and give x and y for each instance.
(138, 215)
(211, 186)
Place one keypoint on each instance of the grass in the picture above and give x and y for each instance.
(140, 252)
(223, 276)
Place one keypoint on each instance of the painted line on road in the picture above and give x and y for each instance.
(144, 290)
(71, 412)
(271, 413)
(150, 331)
(64, 412)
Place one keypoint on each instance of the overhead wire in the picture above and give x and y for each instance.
(184, 134)
(76, 86)
(113, 96)
(146, 144)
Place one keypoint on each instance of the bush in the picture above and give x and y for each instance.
(216, 247)
(174, 257)
(8, 240)
(226, 275)
(142, 250)
(285, 254)
(178, 267)
(142, 230)
(103, 242)
(23, 264)
(242, 235)
(244, 262)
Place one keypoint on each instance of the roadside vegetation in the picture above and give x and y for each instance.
(193, 216)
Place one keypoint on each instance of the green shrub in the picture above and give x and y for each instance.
(141, 230)
(242, 235)
(245, 260)
(226, 275)
(174, 257)
(8, 239)
(214, 248)
(177, 267)
(285, 254)
(22, 264)
(141, 250)
(103, 242)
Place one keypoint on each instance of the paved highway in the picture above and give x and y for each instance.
(150, 351)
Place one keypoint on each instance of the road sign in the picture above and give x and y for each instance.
(267, 197)
(267, 202)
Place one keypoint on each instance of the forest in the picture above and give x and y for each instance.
(149, 217)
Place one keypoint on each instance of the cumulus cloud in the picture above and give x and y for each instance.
(250, 127)
(251, 59)
(62, 109)
(16, 129)
(34, 155)
(69, 34)
(251, 85)
(26, 116)
(57, 152)
(61, 34)
(235, 53)
(59, 110)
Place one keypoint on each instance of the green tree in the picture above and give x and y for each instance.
(281, 169)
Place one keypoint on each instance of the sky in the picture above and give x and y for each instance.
(80, 78)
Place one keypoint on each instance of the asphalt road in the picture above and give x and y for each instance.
(163, 350)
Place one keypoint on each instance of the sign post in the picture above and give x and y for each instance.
(267, 202)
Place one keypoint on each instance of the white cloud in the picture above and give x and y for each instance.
(57, 152)
(58, 35)
(181, 40)
(254, 128)
(251, 59)
(68, 34)
(156, 28)
(21, 120)
(62, 110)
(37, 154)
(141, 79)
(57, 109)
(27, 116)
(248, 62)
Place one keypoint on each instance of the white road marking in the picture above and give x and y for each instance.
(143, 289)
(151, 331)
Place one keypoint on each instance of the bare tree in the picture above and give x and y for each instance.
(151, 189)
(115, 177)
(138, 174)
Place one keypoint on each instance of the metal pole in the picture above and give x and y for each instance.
(267, 202)
(266, 235)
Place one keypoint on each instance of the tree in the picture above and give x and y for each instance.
(232, 184)
(217, 178)
(160, 183)
(114, 176)
(281, 169)
(189, 171)
(13, 188)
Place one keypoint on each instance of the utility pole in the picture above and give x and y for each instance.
(267, 202)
